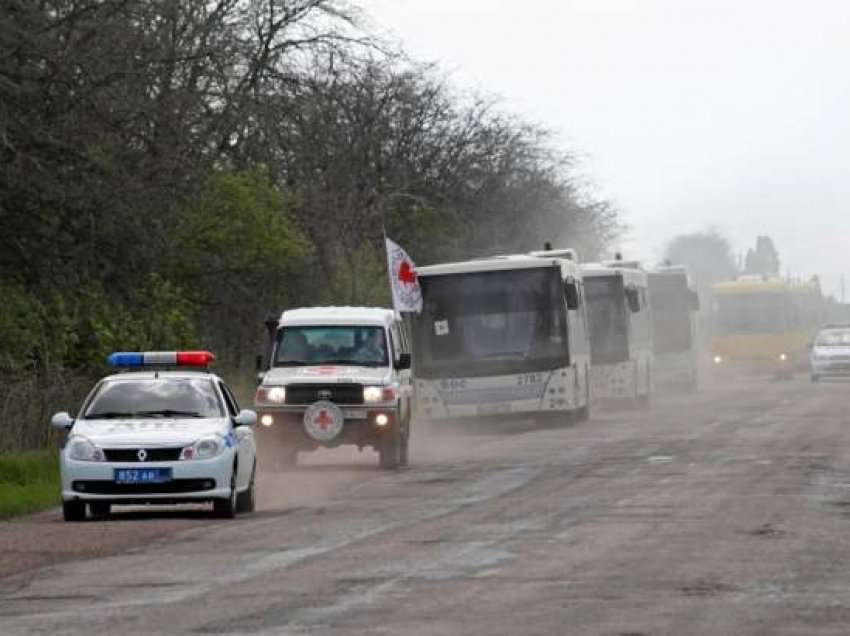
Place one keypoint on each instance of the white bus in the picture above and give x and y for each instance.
(620, 317)
(503, 335)
(675, 304)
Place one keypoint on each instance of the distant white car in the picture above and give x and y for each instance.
(153, 436)
(830, 354)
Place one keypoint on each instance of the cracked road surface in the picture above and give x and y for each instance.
(723, 513)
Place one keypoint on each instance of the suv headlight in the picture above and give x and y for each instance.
(270, 395)
(379, 394)
(205, 448)
(83, 450)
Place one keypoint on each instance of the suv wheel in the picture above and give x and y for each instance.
(390, 448)
(404, 448)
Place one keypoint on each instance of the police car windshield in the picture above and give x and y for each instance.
(347, 345)
(161, 397)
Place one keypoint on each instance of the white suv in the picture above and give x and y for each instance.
(334, 376)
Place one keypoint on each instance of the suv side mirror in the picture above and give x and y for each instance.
(259, 362)
(571, 294)
(246, 417)
(404, 362)
(62, 421)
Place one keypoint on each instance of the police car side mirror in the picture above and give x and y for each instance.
(404, 362)
(246, 417)
(571, 294)
(62, 421)
(259, 362)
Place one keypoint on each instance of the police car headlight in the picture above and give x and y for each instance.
(83, 450)
(718, 359)
(783, 357)
(379, 394)
(270, 395)
(205, 448)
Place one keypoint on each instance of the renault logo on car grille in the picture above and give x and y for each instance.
(325, 394)
(142, 454)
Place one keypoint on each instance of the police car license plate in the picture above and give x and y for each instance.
(142, 475)
(353, 414)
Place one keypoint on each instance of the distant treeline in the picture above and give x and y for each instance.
(171, 171)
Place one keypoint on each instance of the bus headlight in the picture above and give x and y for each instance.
(783, 357)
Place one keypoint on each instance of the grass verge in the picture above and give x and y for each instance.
(28, 482)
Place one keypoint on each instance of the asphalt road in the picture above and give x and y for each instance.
(726, 513)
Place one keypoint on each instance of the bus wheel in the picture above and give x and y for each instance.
(644, 401)
(815, 377)
(583, 414)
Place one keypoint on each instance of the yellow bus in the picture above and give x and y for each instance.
(764, 324)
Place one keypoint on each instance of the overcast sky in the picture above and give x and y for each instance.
(687, 113)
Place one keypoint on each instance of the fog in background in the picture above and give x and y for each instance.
(686, 113)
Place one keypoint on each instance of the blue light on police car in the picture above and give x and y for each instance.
(125, 359)
(158, 358)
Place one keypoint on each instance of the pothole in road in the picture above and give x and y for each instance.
(704, 588)
(768, 531)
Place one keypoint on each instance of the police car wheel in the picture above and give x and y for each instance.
(73, 510)
(226, 508)
(100, 508)
(390, 449)
(815, 378)
(245, 501)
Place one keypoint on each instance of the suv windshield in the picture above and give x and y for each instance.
(353, 345)
(160, 397)
(833, 339)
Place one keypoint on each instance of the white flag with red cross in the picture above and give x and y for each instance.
(407, 296)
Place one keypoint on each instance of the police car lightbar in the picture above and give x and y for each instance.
(160, 358)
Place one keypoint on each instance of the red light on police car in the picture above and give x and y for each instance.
(194, 358)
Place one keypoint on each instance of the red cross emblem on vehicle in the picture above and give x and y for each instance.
(323, 420)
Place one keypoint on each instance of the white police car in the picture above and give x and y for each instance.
(158, 436)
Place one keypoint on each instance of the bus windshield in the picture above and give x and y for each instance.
(751, 313)
(491, 323)
(671, 306)
(606, 309)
